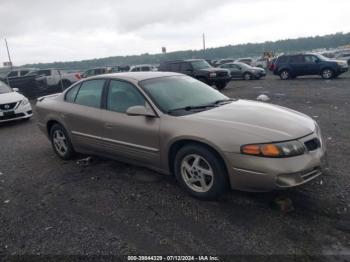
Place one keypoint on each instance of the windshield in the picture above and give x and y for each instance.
(200, 64)
(176, 92)
(4, 88)
(322, 57)
(243, 65)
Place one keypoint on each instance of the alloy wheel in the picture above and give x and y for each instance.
(197, 173)
(327, 73)
(60, 142)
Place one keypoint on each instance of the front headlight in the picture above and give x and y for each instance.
(342, 63)
(24, 102)
(276, 150)
(212, 74)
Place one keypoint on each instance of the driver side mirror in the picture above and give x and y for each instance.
(140, 111)
(15, 89)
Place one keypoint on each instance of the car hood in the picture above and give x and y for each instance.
(10, 97)
(258, 121)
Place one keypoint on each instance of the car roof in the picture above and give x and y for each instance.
(137, 76)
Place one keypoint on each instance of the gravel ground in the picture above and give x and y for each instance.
(53, 207)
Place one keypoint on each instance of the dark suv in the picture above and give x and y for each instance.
(291, 66)
(199, 69)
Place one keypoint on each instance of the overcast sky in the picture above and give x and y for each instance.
(65, 30)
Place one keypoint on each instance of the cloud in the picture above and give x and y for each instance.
(47, 31)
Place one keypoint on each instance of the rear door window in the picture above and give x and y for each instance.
(296, 59)
(90, 93)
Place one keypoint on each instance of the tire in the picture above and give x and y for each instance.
(206, 178)
(220, 85)
(247, 76)
(327, 73)
(285, 75)
(61, 143)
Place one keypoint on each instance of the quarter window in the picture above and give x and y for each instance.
(90, 93)
(72, 93)
(122, 95)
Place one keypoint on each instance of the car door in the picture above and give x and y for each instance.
(82, 114)
(236, 71)
(186, 68)
(312, 65)
(134, 138)
(297, 64)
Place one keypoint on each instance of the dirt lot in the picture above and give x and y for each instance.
(50, 206)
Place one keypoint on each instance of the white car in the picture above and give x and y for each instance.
(13, 105)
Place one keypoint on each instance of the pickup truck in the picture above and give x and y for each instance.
(41, 81)
(55, 77)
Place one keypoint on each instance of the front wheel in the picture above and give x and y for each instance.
(200, 172)
(60, 142)
(327, 73)
(220, 85)
(247, 76)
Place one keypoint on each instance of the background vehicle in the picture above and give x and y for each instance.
(55, 77)
(291, 66)
(241, 70)
(143, 68)
(97, 71)
(199, 69)
(18, 73)
(223, 61)
(261, 62)
(248, 61)
(344, 56)
(13, 105)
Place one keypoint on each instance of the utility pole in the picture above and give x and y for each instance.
(203, 42)
(8, 54)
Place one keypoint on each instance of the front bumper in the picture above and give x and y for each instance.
(260, 174)
(259, 74)
(17, 113)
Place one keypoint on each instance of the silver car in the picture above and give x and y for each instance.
(177, 125)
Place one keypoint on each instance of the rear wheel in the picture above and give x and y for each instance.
(285, 75)
(327, 73)
(200, 172)
(220, 85)
(60, 142)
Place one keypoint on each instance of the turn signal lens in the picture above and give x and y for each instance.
(251, 149)
(283, 149)
(270, 150)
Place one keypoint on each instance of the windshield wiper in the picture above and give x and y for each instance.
(224, 101)
(189, 108)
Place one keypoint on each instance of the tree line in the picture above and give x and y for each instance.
(230, 51)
